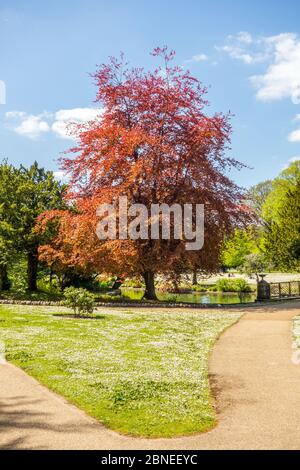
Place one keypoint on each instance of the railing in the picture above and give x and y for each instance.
(284, 289)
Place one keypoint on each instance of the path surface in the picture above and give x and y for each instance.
(256, 384)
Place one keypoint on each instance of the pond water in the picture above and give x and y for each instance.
(194, 297)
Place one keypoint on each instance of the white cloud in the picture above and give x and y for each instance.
(15, 114)
(237, 53)
(28, 125)
(243, 37)
(294, 136)
(33, 126)
(60, 128)
(282, 77)
(60, 176)
(78, 114)
(243, 46)
(199, 57)
(64, 117)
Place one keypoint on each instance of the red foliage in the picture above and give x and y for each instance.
(154, 143)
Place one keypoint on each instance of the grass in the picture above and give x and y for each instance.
(143, 374)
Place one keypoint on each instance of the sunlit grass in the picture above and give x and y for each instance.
(144, 374)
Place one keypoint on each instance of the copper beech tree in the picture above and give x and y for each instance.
(153, 142)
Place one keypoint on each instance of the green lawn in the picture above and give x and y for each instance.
(143, 374)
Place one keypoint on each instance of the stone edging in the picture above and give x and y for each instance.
(147, 304)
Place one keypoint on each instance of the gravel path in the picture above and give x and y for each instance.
(256, 384)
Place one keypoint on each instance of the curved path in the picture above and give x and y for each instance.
(254, 379)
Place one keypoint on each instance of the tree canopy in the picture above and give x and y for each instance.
(24, 194)
(155, 143)
(282, 238)
(286, 181)
(242, 243)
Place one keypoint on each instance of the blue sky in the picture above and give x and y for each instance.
(248, 53)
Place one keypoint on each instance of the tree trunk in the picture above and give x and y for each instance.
(4, 281)
(32, 269)
(150, 288)
(195, 282)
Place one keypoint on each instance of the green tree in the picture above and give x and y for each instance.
(37, 192)
(285, 182)
(257, 196)
(282, 237)
(242, 243)
(28, 193)
(7, 231)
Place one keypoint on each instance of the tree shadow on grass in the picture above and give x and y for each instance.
(79, 317)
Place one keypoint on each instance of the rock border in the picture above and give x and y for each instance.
(148, 304)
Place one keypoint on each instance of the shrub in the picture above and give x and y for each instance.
(213, 288)
(80, 300)
(199, 288)
(45, 286)
(242, 285)
(17, 274)
(105, 284)
(19, 283)
(232, 285)
(133, 282)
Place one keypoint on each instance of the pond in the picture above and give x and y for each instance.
(194, 297)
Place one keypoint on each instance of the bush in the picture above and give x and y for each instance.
(45, 286)
(213, 289)
(134, 282)
(242, 285)
(19, 283)
(199, 288)
(232, 285)
(101, 285)
(80, 300)
(17, 274)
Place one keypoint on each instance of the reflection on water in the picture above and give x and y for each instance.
(194, 297)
